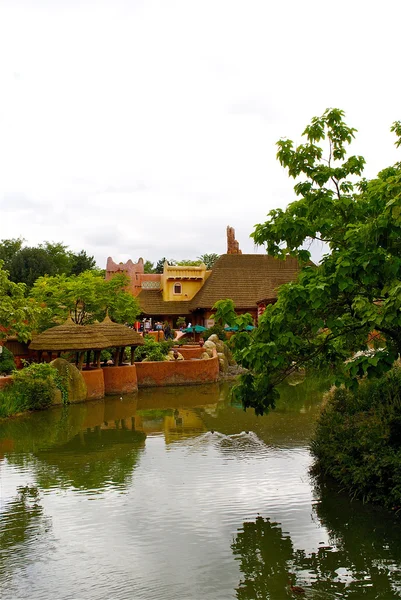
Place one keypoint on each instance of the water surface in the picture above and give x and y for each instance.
(177, 494)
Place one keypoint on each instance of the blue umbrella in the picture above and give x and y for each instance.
(247, 328)
(195, 329)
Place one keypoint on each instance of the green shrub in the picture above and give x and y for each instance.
(7, 362)
(152, 350)
(358, 439)
(218, 330)
(32, 388)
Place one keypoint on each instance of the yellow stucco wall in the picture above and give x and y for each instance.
(190, 278)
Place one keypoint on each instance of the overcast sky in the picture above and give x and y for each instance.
(143, 128)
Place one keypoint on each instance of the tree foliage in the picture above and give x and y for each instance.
(209, 259)
(85, 297)
(225, 315)
(330, 310)
(19, 315)
(26, 264)
(188, 263)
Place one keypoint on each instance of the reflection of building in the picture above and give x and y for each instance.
(250, 280)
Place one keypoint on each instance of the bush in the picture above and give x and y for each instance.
(152, 350)
(218, 330)
(358, 439)
(32, 388)
(7, 362)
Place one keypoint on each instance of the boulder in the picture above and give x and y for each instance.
(223, 363)
(204, 356)
(170, 355)
(75, 382)
(209, 347)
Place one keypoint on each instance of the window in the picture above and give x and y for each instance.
(177, 288)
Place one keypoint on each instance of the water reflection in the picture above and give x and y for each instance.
(362, 560)
(22, 521)
(191, 497)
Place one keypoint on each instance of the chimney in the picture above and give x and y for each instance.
(232, 244)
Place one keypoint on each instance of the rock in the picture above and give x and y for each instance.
(170, 355)
(75, 382)
(223, 362)
(209, 347)
(218, 342)
(204, 356)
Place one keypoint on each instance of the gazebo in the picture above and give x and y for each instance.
(119, 337)
(71, 337)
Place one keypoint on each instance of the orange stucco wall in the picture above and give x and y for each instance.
(120, 380)
(183, 372)
(195, 352)
(95, 383)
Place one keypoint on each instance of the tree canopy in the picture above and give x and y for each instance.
(209, 259)
(330, 311)
(85, 297)
(19, 315)
(26, 263)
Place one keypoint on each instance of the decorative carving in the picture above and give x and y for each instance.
(151, 285)
(232, 244)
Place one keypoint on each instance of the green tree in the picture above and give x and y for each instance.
(18, 315)
(331, 309)
(59, 257)
(160, 264)
(30, 263)
(85, 297)
(148, 267)
(81, 262)
(188, 263)
(225, 315)
(209, 259)
(8, 248)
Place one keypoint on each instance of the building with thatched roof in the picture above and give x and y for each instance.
(247, 279)
(70, 337)
(250, 280)
(119, 336)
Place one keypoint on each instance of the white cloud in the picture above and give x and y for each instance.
(148, 127)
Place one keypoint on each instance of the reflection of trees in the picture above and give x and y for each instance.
(21, 521)
(264, 554)
(363, 561)
(92, 459)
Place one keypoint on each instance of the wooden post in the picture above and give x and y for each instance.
(81, 360)
(132, 354)
(97, 359)
(88, 359)
(40, 356)
(76, 358)
(122, 355)
(117, 357)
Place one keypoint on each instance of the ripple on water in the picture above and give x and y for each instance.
(95, 511)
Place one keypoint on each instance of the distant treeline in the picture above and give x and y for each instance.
(26, 263)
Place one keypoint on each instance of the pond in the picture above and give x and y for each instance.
(177, 494)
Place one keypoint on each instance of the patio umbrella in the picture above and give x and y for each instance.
(247, 328)
(195, 329)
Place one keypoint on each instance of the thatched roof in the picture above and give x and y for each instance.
(70, 336)
(152, 303)
(119, 335)
(246, 279)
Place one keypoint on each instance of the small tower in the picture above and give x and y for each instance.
(232, 244)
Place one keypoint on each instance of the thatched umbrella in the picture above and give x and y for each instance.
(120, 336)
(70, 337)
